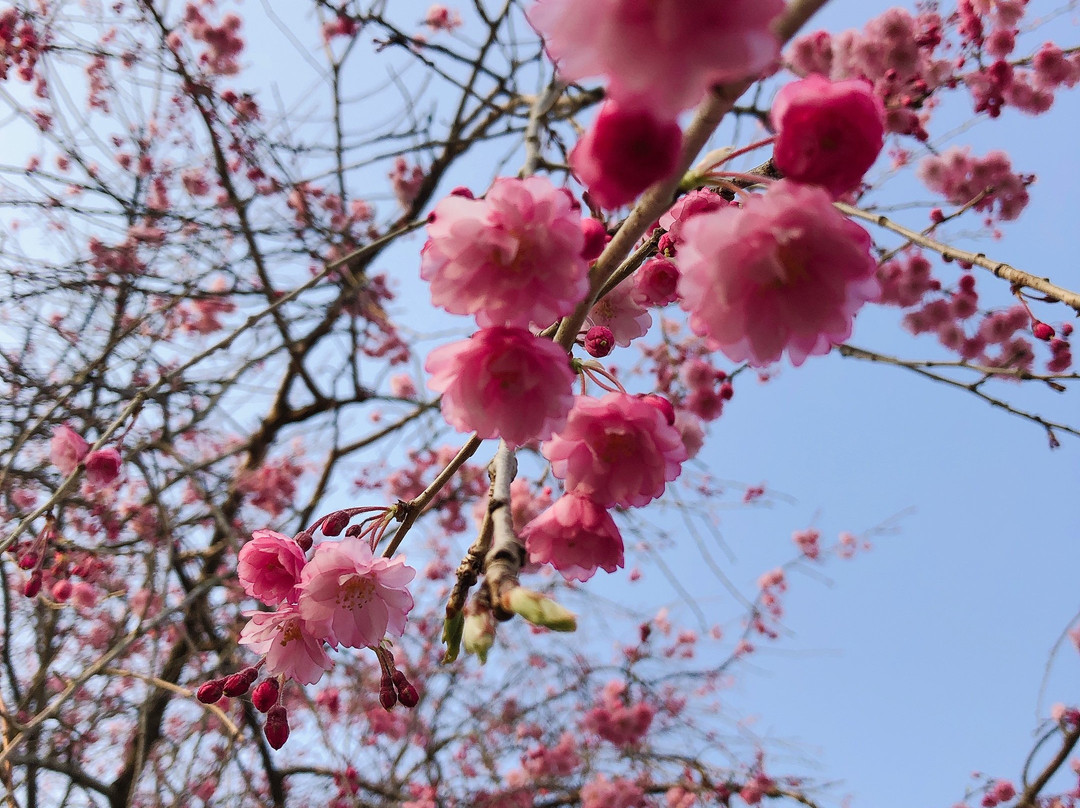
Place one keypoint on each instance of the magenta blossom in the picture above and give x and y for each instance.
(352, 598)
(829, 133)
(617, 450)
(269, 567)
(576, 536)
(512, 258)
(503, 383)
(786, 271)
(67, 449)
(624, 152)
(659, 54)
(102, 467)
(289, 646)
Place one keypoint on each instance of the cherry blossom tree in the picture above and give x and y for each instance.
(343, 345)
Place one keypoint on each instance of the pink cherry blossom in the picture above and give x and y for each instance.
(785, 272)
(102, 467)
(289, 646)
(511, 258)
(503, 383)
(701, 200)
(67, 449)
(269, 567)
(656, 282)
(352, 598)
(619, 792)
(623, 152)
(616, 721)
(576, 536)
(828, 133)
(620, 312)
(659, 54)
(617, 450)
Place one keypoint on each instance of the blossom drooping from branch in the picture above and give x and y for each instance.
(269, 567)
(829, 133)
(350, 597)
(785, 272)
(616, 450)
(576, 536)
(67, 449)
(503, 383)
(512, 258)
(288, 644)
(659, 54)
(623, 152)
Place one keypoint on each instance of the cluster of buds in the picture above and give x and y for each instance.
(394, 686)
(266, 698)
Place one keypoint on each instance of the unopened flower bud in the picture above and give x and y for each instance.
(276, 728)
(305, 540)
(407, 694)
(539, 610)
(33, 586)
(61, 590)
(595, 239)
(387, 695)
(727, 390)
(237, 684)
(335, 523)
(479, 634)
(28, 560)
(210, 692)
(1042, 331)
(265, 695)
(599, 341)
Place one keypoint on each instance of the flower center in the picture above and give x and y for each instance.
(356, 593)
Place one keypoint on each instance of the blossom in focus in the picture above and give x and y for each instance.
(785, 272)
(576, 536)
(616, 450)
(660, 55)
(623, 152)
(511, 258)
(269, 567)
(289, 646)
(503, 383)
(350, 597)
(67, 449)
(619, 311)
(829, 133)
(102, 467)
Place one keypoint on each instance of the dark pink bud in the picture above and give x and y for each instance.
(387, 696)
(967, 283)
(276, 729)
(462, 191)
(265, 695)
(666, 245)
(61, 590)
(354, 531)
(1066, 329)
(29, 560)
(335, 523)
(210, 692)
(936, 215)
(33, 586)
(237, 684)
(599, 341)
(305, 540)
(1042, 331)
(407, 694)
(661, 404)
(727, 391)
(595, 239)
(102, 467)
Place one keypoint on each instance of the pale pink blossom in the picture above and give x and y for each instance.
(67, 449)
(102, 467)
(503, 383)
(600, 792)
(269, 567)
(623, 152)
(620, 312)
(617, 450)
(829, 133)
(352, 598)
(659, 54)
(615, 720)
(691, 431)
(511, 258)
(440, 18)
(576, 536)
(786, 272)
(290, 647)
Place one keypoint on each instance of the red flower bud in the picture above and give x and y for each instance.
(29, 560)
(276, 728)
(33, 586)
(599, 341)
(336, 522)
(237, 684)
(305, 540)
(265, 695)
(407, 694)
(210, 692)
(1042, 331)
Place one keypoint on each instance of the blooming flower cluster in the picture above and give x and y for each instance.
(344, 596)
